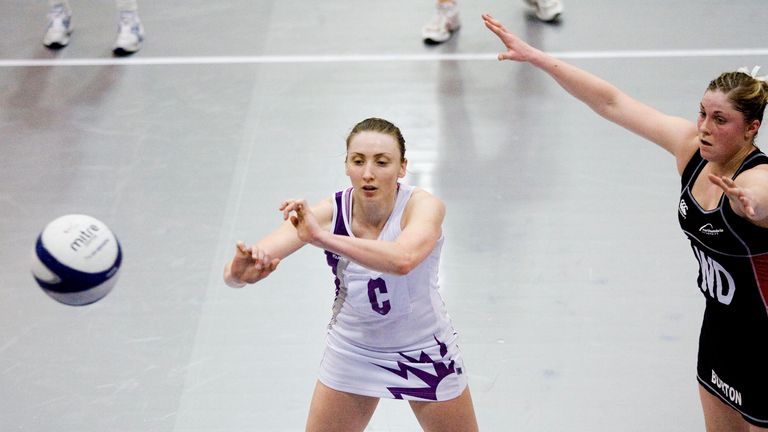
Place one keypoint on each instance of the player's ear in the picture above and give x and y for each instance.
(752, 129)
(346, 166)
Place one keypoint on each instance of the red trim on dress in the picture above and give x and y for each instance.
(760, 264)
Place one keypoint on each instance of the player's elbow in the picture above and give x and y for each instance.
(405, 264)
(611, 106)
(402, 269)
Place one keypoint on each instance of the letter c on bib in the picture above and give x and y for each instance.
(375, 287)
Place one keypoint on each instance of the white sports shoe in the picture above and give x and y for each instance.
(547, 10)
(442, 26)
(130, 34)
(59, 28)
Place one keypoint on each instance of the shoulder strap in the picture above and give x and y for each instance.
(691, 169)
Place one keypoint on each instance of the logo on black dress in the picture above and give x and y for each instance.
(683, 208)
(708, 229)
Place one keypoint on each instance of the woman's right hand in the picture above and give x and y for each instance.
(249, 265)
(517, 50)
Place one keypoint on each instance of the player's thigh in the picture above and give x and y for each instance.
(335, 411)
(455, 415)
(719, 417)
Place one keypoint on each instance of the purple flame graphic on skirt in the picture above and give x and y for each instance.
(429, 391)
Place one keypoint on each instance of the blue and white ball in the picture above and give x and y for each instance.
(76, 259)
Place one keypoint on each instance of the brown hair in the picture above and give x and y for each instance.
(374, 124)
(747, 94)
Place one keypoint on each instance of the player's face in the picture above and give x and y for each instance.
(374, 164)
(722, 129)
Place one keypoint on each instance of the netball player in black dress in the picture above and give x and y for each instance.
(723, 209)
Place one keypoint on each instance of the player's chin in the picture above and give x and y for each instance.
(707, 152)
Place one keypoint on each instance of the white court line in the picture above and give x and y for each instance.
(363, 58)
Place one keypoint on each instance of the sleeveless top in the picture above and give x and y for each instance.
(385, 312)
(733, 277)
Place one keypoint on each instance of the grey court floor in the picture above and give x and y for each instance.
(564, 270)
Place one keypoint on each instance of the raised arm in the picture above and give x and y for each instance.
(251, 264)
(674, 134)
(421, 229)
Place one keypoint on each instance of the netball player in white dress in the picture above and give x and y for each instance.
(390, 335)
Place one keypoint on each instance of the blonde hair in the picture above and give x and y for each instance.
(747, 94)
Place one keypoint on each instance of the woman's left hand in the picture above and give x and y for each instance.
(743, 201)
(302, 218)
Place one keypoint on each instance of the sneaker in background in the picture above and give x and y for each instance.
(442, 26)
(59, 28)
(547, 10)
(130, 34)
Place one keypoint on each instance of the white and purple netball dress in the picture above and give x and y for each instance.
(390, 336)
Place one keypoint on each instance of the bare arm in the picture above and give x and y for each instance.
(422, 229)
(251, 264)
(674, 134)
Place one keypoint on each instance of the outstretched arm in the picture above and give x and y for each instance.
(251, 264)
(676, 135)
(747, 194)
(422, 228)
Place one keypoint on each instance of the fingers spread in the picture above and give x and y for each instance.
(289, 206)
(717, 180)
(494, 25)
